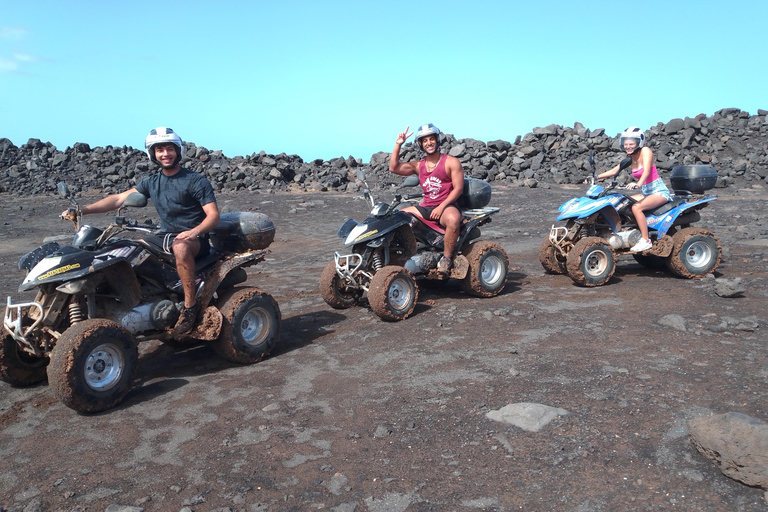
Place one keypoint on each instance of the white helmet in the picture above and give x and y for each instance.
(428, 129)
(163, 135)
(633, 132)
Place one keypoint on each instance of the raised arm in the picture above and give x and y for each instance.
(395, 165)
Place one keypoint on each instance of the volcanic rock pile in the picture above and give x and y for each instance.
(733, 141)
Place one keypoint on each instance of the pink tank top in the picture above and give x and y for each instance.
(436, 184)
(638, 173)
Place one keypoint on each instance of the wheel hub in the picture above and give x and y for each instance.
(255, 326)
(698, 255)
(399, 294)
(103, 367)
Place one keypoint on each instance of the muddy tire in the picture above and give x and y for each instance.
(488, 267)
(250, 328)
(92, 365)
(393, 293)
(696, 253)
(591, 262)
(551, 259)
(19, 368)
(333, 291)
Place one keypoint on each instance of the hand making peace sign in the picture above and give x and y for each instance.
(402, 136)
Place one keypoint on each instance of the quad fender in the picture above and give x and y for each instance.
(603, 207)
(377, 228)
(219, 271)
(667, 220)
(117, 273)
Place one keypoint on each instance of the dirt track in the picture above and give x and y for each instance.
(354, 414)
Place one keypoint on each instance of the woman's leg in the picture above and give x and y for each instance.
(639, 209)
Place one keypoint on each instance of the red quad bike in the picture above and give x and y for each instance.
(99, 297)
(597, 228)
(390, 250)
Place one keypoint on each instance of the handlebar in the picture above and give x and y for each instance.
(134, 225)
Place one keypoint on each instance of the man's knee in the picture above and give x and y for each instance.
(451, 219)
(185, 248)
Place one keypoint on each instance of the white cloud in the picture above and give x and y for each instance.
(7, 66)
(24, 57)
(13, 33)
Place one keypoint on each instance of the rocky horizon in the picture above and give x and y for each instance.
(732, 141)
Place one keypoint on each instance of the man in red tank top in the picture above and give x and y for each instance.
(442, 180)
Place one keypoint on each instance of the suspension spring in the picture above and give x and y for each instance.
(75, 313)
(377, 263)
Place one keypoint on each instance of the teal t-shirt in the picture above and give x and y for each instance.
(179, 199)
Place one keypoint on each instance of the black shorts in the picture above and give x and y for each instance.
(164, 241)
(426, 212)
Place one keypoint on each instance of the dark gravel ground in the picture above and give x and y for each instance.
(354, 414)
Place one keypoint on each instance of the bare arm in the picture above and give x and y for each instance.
(210, 221)
(395, 165)
(607, 174)
(107, 204)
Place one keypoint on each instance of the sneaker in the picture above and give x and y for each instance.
(187, 319)
(444, 265)
(641, 245)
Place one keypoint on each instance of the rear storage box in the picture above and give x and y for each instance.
(243, 232)
(695, 179)
(476, 194)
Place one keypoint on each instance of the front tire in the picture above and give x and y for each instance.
(92, 365)
(393, 293)
(19, 368)
(550, 258)
(333, 291)
(488, 266)
(696, 253)
(591, 262)
(250, 328)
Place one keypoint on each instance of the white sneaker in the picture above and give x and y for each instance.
(642, 245)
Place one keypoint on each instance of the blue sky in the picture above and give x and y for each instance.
(337, 78)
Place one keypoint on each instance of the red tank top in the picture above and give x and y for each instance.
(436, 184)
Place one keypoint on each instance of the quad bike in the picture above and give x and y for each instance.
(391, 249)
(600, 226)
(99, 297)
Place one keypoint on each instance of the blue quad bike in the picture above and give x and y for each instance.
(600, 226)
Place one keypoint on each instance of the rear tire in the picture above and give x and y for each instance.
(18, 368)
(333, 291)
(393, 293)
(551, 259)
(696, 253)
(250, 328)
(488, 266)
(591, 262)
(92, 365)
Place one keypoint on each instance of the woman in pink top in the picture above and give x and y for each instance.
(442, 180)
(654, 192)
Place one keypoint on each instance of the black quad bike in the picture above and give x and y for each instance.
(390, 250)
(600, 226)
(99, 297)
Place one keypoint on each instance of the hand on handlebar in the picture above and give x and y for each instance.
(70, 214)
